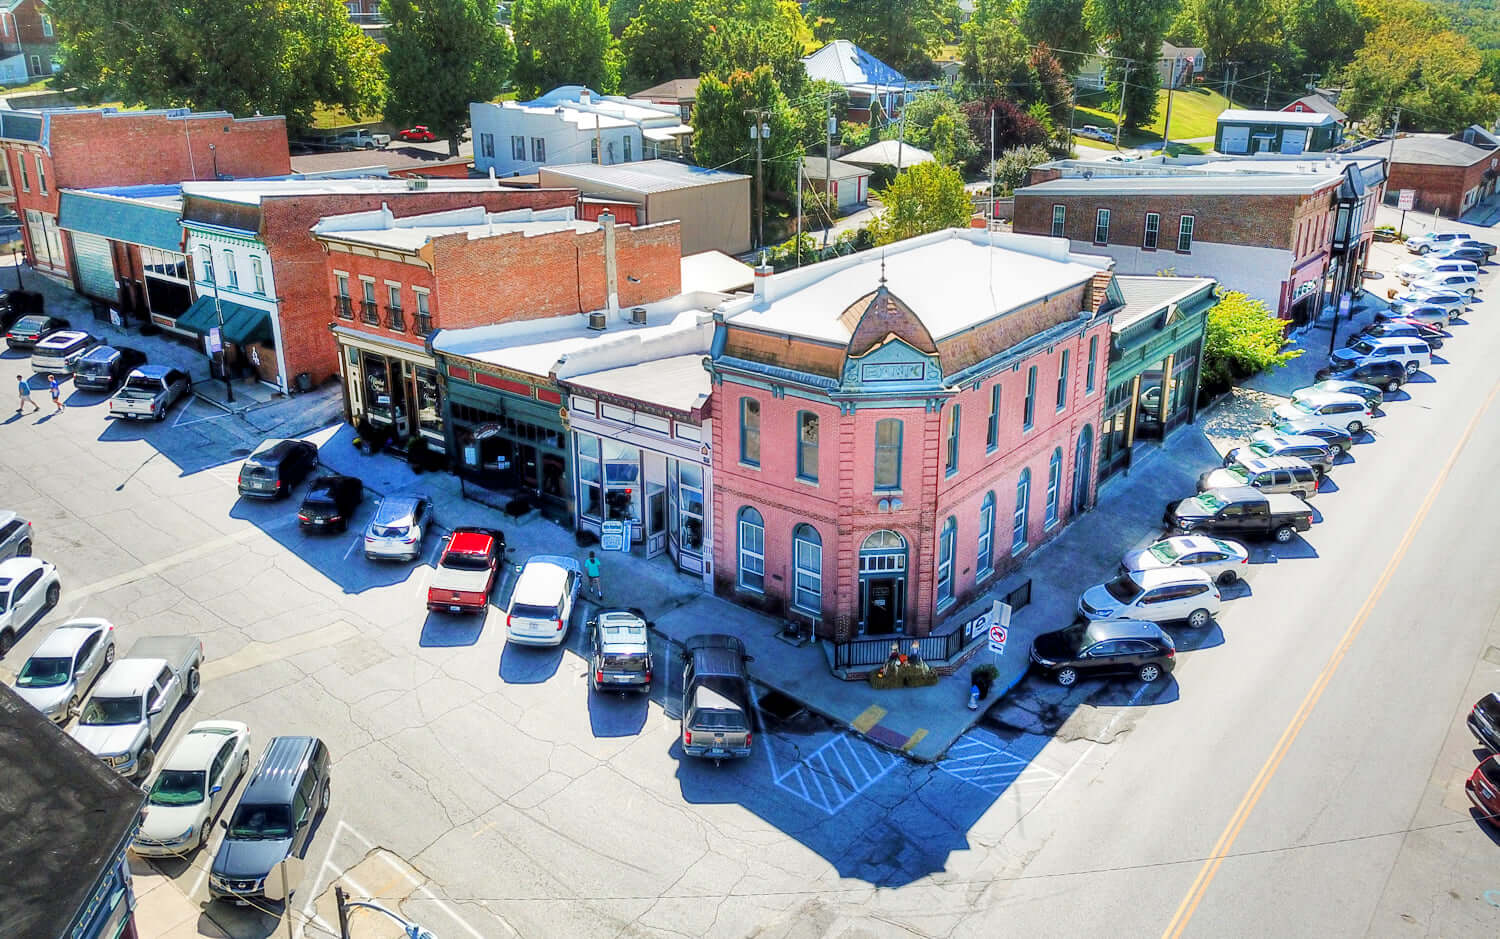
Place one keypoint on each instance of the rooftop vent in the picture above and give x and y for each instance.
(597, 320)
(638, 316)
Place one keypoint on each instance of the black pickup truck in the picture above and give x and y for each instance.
(1240, 511)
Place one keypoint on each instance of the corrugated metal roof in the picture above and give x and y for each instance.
(1145, 296)
(886, 153)
(135, 221)
(643, 175)
(678, 89)
(1433, 150)
(814, 166)
(844, 63)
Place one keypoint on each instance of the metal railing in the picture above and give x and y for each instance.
(875, 650)
(343, 308)
(371, 312)
(424, 324)
(394, 319)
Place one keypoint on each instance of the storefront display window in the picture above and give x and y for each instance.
(690, 501)
(590, 501)
(429, 403)
(377, 386)
(622, 481)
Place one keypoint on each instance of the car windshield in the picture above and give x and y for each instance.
(1165, 551)
(466, 562)
(1262, 448)
(714, 708)
(388, 531)
(44, 673)
(178, 787)
(1240, 474)
(1123, 588)
(630, 662)
(91, 366)
(533, 611)
(256, 822)
(1363, 347)
(1210, 502)
(1491, 770)
(111, 711)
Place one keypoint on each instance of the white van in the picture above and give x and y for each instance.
(60, 351)
(1413, 354)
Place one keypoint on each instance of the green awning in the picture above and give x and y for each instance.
(242, 323)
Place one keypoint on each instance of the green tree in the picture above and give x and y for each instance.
(925, 198)
(273, 56)
(1132, 31)
(993, 50)
(746, 34)
(854, 135)
(1434, 75)
(1328, 32)
(664, 41)
(1059, 24)
(721, 128)
(945, 139)
(920, 116)
(903, 34)
(1243, 31)
(439, 56)
(564, 42)
(1243, 337)
(1011, 167)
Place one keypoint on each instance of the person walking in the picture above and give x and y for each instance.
(591, 568)
(25, 391)
(56, 394)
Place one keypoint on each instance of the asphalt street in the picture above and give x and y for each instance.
(1301, 773)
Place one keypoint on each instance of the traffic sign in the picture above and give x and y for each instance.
(1406, 200)
(998, 635)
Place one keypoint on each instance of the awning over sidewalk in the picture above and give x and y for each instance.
(242, 323)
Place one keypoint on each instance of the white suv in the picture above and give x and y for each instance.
(1426, 267)
(1160, 596)
(1413, 354)
(1431, 241)
(542, 602)
(1453, 280)
(1337, 408)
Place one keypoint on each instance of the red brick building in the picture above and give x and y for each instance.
(28, 42)
(393, 282)
(889, 443)
(251, 247)
(1449, 174)
(47, 151)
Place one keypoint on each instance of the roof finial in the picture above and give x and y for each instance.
(882, 268)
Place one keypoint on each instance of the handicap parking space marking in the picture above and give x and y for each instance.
(187, 406)
(834, 774)
(992, 768)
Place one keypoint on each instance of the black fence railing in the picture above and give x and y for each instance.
(371, 312)
(875, 650)
(342, 308)
(424, 324)
(394, 319)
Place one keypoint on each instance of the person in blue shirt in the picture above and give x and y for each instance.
(25, 391)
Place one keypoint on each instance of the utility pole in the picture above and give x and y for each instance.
(598, 142)
(1120, 114)
(901, 136)
(799, 212)
(759, 130)
(828, 163)
(341, 897)
(1265, 105)
(1234, 68)
(990, 210)
(1390, 157)
(1166, 127)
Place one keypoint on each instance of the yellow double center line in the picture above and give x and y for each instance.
(1268, 769)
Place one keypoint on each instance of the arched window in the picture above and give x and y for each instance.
(947, 541)
(1054, 483)
(807, 569)
(1023, 508)
(752, 550)
(987, 534)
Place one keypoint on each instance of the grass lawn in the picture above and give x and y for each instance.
(1195, 113)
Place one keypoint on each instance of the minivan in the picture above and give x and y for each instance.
(542, 602)
(103, 367)
(59, 352)
(1413, 354)
(1268, 474)
(288, 789)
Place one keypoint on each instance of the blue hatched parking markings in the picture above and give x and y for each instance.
(986, 766)
(831, 776)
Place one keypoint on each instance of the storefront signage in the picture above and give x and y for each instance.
(215, 341)
(892, 371)
(1304, 289)
(614, 536)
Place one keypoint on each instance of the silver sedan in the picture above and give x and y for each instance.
(1224, 561)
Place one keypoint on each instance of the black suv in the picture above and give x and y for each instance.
(716, 707)
(1389, 376)
(274, 472)
(1484, 722)
(104, 367)
(1106, 646)
(289, 788)
(329, 502)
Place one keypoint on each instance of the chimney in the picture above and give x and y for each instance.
(583, 97)
(611, 284)
(763, 280)
(387, 217)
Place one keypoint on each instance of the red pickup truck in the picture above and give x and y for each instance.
(466, 571)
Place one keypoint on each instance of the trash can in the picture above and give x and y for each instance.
(304, 382)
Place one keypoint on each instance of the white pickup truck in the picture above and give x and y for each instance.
(135, 700)
(361, 140)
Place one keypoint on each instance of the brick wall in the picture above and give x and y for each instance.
(28, 26)
(1257, 220)
(301, 270)
(1439, 188)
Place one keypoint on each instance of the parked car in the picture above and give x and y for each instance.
(1104, 647)
(1463, 251)
(1459, 281)
(360, 140)
(1158, 596)
(1336, 440)
(1432, 241)
(1344, 410)
(276, 467)
(1413, 354)
(148, 392)
(65, 665)
(541, 605)
(27, 331)
(1433, 265)
(15, 536)
(1268, 474)
(1485, 247)
(1241, 511)
(1311, 450)
(1411, 326)
(289, 788)
(134, 702)
(1483, 788)
(716, 708)
(619, 650)
(1224, 561)
(1389, 375)
(103, 367)
(396, 529)
(1451, 300)
(417, 134)
(192, 788)
(29, 587)
(466, 571)
(329, 503)
(1372, 396)
(1484, 721)
(58, 353)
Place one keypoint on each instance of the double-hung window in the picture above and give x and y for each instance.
(992, 428)
(1023, 509)
(752, 531)
(750, 432)
(887, 454)
(1088, 387)
(946, 543)
(1030, 411)
(952, 466)
(1062, 380)
(518, 149)
(1153, 230)
(1101, 227)
(1059, 220)
(807, 446)
(1185, 233)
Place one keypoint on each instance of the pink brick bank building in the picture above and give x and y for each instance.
(893, 431)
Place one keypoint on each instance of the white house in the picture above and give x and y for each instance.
(572, 124)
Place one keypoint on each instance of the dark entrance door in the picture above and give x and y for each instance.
(883, 602)
(1083, 462)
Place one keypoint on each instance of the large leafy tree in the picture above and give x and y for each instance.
(925, 198)
(1435, 76)
(1242, 337)
(564, 42)
(904, 34)
(1328, 33)
(274, 56)
(924, 113)
(439, 56)
(1058, 23)
(1243, 31)
(664, 41)
(1132, 31)
(993, 49)
(743, 35)
(721, 126)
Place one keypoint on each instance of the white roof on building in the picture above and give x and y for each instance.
(886, 153)
(252, 191)
(716, 272)
(679, 382)
(952, 280)
(1306, 118)
(378, 228)
(1261, 185)
(646, 175)
(814, 166)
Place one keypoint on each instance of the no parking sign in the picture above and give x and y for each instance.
(998, 636)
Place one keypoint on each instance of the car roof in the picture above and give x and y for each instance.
(1101, 629)
(128, 678)
(280, 767)
(6, 516)
(1158, 576)
(1308, 426)
(542, 578)
(1379, 341)
(101, 353)
(199, 746)
(34, 318)
(470, 542)
(269, 449)
(16, 568)
(1281, 441)
(395, 509)
(622, 629)
(716, 654)
(64, 337)
(1325, 396)
(1258, 463)
(65, 639)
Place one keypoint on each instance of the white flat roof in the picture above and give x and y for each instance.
(251, 192)
(411, 239)
(1235, 185)
(645, 175)
(679, 382)
(715, 271)
(952, 280)
(1310, 118)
